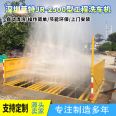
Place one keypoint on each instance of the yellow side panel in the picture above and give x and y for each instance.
(98, 74)
(11, 73)
(13, 66)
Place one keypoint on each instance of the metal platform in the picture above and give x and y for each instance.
(53, 88)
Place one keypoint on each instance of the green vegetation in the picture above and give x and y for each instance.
(112, 37)
(113, 46)
(110, 45)
(13, 34)
(105, 47)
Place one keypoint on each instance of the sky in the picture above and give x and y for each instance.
(98, 21)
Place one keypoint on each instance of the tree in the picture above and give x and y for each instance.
(111, 45)
(13, 34)
(0, 21)
(98, 37)
(112, 37)
(114, 46)
(105, 47)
